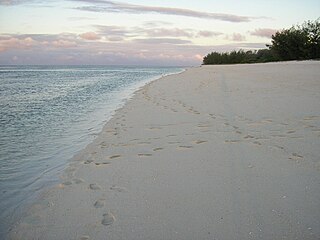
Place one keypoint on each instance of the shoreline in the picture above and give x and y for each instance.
(124, 183)
(68, 152)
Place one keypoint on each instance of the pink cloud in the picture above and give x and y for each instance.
(16, 43)
(263, 32)
(64, 43)
(198, 57)
(60, 48)
(115, 39)
(91, 36)
(237, 37)
(163, 32)
(208, 34)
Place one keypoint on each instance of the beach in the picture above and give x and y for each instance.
(214, 152)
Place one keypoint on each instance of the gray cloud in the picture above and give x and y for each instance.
(11, 2)
(165, 32)
(152, 32)
(209, 34)
(237, 37)
(172, 41)
(263, 32)
(19, 2)
(68, 48)
(115, 31)
(152, 24)
(112, 6)
(37, 41)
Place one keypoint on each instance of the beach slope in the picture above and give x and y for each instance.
(215, 152)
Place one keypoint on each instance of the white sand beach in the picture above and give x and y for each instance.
(215, 152)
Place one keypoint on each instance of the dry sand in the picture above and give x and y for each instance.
(216, 152)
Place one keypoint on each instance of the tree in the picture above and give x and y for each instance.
(298, 42)
(290, 44)
(312, 30)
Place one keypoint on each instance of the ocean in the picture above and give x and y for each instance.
(49, 113)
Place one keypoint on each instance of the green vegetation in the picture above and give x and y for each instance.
(297, 43)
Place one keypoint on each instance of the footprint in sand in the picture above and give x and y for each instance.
(94, 186)
(232, 141)
(295, 156)
(155, 128)
(99, 203)
(67, 183)
(101, 163)
(78, 180)
(88, 161)
(185, 147)
(135, 139)
(108, 219)
(114, 156)
(104, 144)
(212, 116)
(203, 126)
(118, 189)
(257, 143)
(280, 147)
(171, 135)
(248, 136)
(291, 131)
(144, 155)
(157, 149)
(144, 143)
(84, 237)
(278, 135)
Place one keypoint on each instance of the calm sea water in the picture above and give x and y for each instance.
(48, 113)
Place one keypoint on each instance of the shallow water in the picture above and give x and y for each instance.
(48, 113)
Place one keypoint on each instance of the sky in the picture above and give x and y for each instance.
(140, 32)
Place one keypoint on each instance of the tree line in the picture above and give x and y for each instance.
(300, 42)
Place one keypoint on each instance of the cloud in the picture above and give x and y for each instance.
(11, 42)
(11, 2)
(208, 34)
(147, 32)
(37, 41)
(68, 48)
(115, 39)
(19, 2)
(237, 37)
(263, 32)
(80, 18)
(165, 32)
(112, 6)
(152, 24)
(64, 43)
(114, 31)
(150, 31)
(91, 36)
(155, 41)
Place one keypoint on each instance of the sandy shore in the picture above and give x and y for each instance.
(216, 152)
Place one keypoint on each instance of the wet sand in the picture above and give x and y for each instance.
(215, 152)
